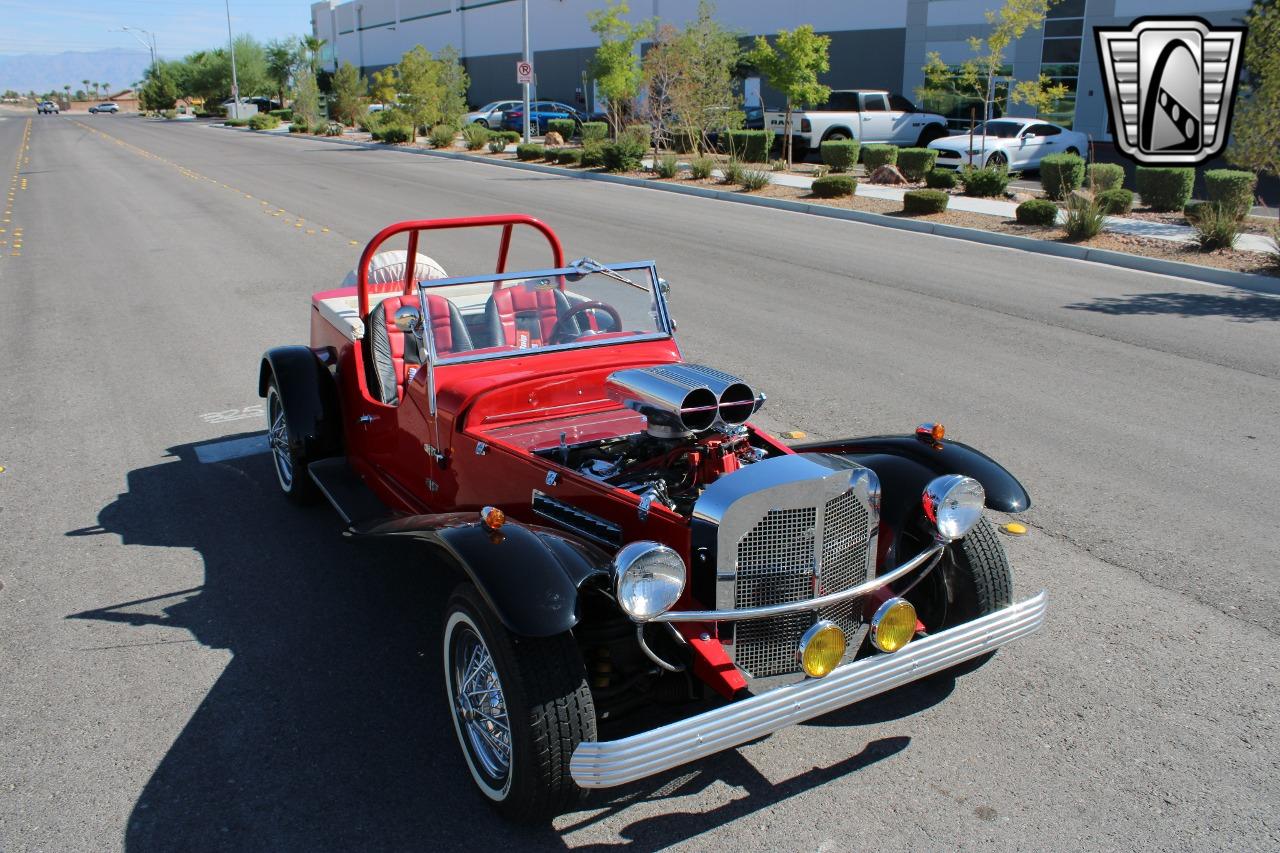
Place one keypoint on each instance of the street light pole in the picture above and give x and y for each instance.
(529, 61)
(149, 43)
(235, 85)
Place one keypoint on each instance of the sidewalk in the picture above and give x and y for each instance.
(1005, 210)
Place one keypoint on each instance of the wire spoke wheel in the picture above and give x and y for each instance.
(480, 704)
(278, 440)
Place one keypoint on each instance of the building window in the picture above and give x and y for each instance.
(1060, 56)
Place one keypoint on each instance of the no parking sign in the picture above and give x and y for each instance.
(524, 72)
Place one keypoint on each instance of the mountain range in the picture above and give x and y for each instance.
(45, 71)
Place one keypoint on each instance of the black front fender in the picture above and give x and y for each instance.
(529, 576)
(905, 465)
(310, 398)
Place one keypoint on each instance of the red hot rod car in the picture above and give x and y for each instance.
(620, 532)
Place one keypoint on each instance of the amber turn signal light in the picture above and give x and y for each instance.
(493, 517)
(931, 432)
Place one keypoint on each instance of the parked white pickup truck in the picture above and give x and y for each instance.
(868, 115)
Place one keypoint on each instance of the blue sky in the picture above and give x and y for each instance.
(180, 26)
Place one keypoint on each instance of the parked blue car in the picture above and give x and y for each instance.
(541, 112)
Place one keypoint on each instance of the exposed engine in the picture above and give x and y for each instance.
(695, 434)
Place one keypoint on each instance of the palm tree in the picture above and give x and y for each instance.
(85, 83)
(67, 88)
(106, 90)
(311, 47)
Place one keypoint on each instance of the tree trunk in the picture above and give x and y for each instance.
(786, 137)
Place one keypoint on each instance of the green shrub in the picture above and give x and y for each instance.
(566, 127)
(985, 181)
(940, 179)
(821, 170)
(1231, 188)
(169, 115)
(750, 146)
(508, 136)
(300, 126)
(475, 137)
(924, 201)
(593, 154)
(834, 186)
(442, 136)
(915, 163)
(778, 165)
(263, 121)
(1037, 211)
(637, 135)
(530, 151)
(1061, 174)
(624, 155)
(320, 128)
(552, 155)
(1217, 225)
(334, 128)
(754, 179)
(1105, 176)
(394, 134)
(731, 172)
(1115, 202)
(700, 167)
(594, 131)
(667, 166)
(1274, 255)
(284, 115)
(1084, 217)
(840, 154)
(569, 156)
(231, 122)
(876, 155)
(497, 146)
(1165, 188)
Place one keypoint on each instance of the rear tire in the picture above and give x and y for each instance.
(286, 456)
(536, 708)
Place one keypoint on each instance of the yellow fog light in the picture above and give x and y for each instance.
(821, 648)
(894, 625)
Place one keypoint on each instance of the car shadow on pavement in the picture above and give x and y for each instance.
(327, 729)
(1244, 308)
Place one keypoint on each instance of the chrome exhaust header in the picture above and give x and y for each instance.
(682, 399)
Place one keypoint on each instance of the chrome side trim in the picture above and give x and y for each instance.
(581, 522)
(799, 606)
(617, 762)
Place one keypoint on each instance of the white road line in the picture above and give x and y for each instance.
(231, 448)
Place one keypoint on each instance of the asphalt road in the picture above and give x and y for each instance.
(188, 663)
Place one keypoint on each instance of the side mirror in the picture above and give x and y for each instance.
(1029, 136)
(664, 286)
(408, 319)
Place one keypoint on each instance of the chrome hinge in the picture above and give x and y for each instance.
(551, 478)
(368, 419)
(432, 485)
(481, 448)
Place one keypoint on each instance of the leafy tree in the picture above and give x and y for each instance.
(979, 74)
(792, 67)
(709, 99)
(1255, 142)
(282, 57)
(306, 98)
(420, 91)
(664, 68)
(160, 92)
(348, 94)
(453, 86)
(615, 65)
(383, 88)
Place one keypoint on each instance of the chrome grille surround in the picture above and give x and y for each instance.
(789, 529)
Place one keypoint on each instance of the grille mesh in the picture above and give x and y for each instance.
(775, 565)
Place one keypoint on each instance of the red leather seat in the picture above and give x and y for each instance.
(523, 318)
(393, 356)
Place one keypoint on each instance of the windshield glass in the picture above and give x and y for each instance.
(1002, 129)
(587, 304)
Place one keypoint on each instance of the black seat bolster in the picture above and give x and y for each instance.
(382, 367)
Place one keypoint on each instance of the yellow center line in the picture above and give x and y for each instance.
(196, 176)
(17, 182)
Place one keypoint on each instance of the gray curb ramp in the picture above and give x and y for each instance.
(1177, 269)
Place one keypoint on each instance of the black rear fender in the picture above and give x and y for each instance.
(529, 576)
(309, 394)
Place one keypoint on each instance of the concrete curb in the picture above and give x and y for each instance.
(1140, 263)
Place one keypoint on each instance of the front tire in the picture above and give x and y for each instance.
(929, 134)
(520, 706)
(997, 160)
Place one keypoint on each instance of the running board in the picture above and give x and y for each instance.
(347, 492)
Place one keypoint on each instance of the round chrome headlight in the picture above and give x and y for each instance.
(953, 504)
(647, 579)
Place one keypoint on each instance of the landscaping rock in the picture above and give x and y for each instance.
(1021, 197)
(887, 175)
(553, 139)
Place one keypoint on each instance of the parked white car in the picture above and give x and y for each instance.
(868, 115)
(1018, 143)
(490, 115)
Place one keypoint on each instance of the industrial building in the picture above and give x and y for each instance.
(874, 43)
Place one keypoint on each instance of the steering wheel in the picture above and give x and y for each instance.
(560, 332)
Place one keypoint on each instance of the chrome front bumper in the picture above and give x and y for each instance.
(617, 762)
